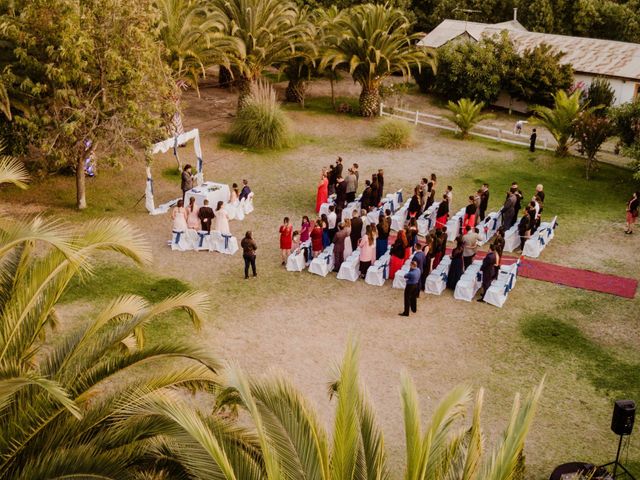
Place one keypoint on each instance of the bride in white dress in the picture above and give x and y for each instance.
(221, 221)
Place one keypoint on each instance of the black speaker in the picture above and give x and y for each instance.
(624, 413)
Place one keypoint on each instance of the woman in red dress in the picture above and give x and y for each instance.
(398, 253)
(286, 232)
(323, 191)
(442, 214)
(470, 214)
(316, 238)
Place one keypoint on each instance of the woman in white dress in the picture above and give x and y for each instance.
(179, 217)
(221, 221)
(193, 221)
(234, 202)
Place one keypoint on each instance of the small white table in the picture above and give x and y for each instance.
(214, 192)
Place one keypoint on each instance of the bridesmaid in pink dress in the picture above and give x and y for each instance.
(193, 221)
(323, 192)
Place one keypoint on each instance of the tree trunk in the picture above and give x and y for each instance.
(244, 87)
(369, 101)
(333, 94)
(589, 162)
(81, 198)
(296, 90)
(225, 80)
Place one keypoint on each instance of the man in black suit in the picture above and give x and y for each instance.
(338, 169)
(484, 200)
(366, 201)
(244, 193)
(341, 197)
(187, 181)
(356, 230)
(205, 214)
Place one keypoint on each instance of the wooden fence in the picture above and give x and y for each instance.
(436, 121)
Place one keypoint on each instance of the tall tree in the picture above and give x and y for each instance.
(265, 32)
(561, 119)
(302, 65)
(85, 77)
(591, 131)
(373, 42)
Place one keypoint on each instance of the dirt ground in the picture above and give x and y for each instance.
(298, 323)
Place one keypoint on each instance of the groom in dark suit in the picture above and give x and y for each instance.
(205, 214)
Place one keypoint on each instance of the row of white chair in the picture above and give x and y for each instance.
(201, 240)
(540, 239)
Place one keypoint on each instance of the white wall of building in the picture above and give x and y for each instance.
(624, 89)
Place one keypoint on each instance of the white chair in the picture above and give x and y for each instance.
(298, 261)
(248, 204)
(499, 290)
(179, 241)
(323, 263)
(378, 272)
(512, 239)
(224, 243)
(398, 280)
(469, 283)
(489, 226)
(204, 241)
(350, 268)
(437, 280)
(347, 212)
(397, 199)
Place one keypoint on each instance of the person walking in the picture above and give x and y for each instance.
(532, 141)
(411, 290)
(632, 212)
(249, 248)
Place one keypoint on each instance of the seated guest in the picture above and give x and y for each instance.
(442, 215)
(245, 190)
(367, 251)
(316, 238)
(193, 221)
(221, 222)
(457, 265)
(286, 239)
(179, 217)
(205, 214)
(470, 214)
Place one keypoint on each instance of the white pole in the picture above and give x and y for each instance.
(416, 120)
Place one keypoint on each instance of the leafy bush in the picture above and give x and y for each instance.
(261, 123)
(394, 134)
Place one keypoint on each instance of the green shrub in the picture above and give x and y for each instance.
(261, 123)
(394, 134)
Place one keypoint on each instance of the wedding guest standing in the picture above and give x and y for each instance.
(221, 222)
(457, 265)
(246, 190)
(428, 261)
(382, 242)
(179, 217)
(193, 220)
(186, 182)
(508, 210)
(397, 257)
(338, 168)
(532, 141)
(286, 237)
(524, 228)
(367, 251)
(470, 244)
(414, 205)
(249, 248)
(323, 192)
(470, 214)
(632, 212)
(366, 200)
(332, 222)
(341, 196)
(380, 185)
(326, 240)
(305, 229)
(420, 258)
(431, 195)
(412, 232)
(484, 200)
(411, 290)
(488, 269)
(356, 230)
(374, 190)
(316, 238)
(449, 194)
(442, 215)
(338, 246)
(352, 185)
(206, 215)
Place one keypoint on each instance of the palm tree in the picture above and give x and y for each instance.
(373, 42)
(294, 444)
(64, 404)
(301, 66)
(265, 32)
(466, 113)
(5, 105)
(561, 119)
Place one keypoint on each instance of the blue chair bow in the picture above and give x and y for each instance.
(328, 258)
(150, 180)
(226, 240)
(479, 276)
(541, 240)
(494, 227)
(384, 268)
(399, 194)
(201, 240)
(509, 285)
(178, 235)
(444, 276)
